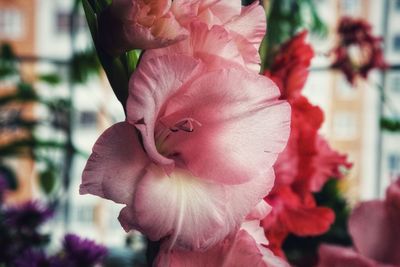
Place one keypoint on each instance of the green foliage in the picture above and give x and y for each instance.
(84, 65)
(24, 93)
(9, 175)
(285, 19)
(48, 180)
(118, 69)
(50, 78)
(390, 125)
(7, 61)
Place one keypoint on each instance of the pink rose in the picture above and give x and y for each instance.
(141, 24)
(196, 154)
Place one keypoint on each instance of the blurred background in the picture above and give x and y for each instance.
(55, 101)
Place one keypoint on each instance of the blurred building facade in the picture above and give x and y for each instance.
(351, 113)
(40, 30)
(390, 160)
(17, 28)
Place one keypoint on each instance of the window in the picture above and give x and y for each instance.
(345, 125)
(395, 84)
(345, 90)
(84, 214)
(11, 23)
(88, 118)
(350, 7)
(63, 22)
(397, 5)
(396, 43)
(394, 164)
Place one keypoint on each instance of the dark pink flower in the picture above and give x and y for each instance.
(374, 228)
(358, 51)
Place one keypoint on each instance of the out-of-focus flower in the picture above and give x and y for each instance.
(374, 228)
(142, 24)
(196, 156)
(290, 67)
(3, 187)
(220, 33)
(34, 258)
(307, 162)
(29, 215)
(328, 164)
(358, 51)
(79, 252)
(242, 249)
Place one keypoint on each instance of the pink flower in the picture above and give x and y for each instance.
(196, 154)
(143, 24)
(220, 32)
(374, 228)
(242, 249)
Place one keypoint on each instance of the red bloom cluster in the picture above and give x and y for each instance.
(307, 163)
(358, 51)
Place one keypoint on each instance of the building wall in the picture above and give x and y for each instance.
(351, 118)
(17, 29)
(390, 161)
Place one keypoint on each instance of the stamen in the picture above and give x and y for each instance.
(185, 124)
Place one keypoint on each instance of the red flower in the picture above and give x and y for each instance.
(307, 163)
(358, 51)
(290, 68)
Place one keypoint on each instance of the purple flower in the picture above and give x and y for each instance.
(29, 215)
(3, 187)
(33, 258)
(82, 252)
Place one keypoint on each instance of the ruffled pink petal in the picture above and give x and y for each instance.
(251, 24)
(115, 165)
(240, 126)
(189, 211)
(260, 211)
(152, 84)
(375, 232)
(130, 24)
(214, 46)
(194, 214)
(335, 256)
(222, 10)
(237, 251)
(248, 31)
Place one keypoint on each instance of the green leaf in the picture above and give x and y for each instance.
(84, 65)
(132, 59)
(48, 181)
(10, 177)
(51, 78)
(390, 125)
(90, 18)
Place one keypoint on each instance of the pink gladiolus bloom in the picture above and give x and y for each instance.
(196, 154)
(242, 249)
(142, 24)
(223, 29)
(374, 228)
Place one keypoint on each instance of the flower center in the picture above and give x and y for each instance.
(164, 132)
